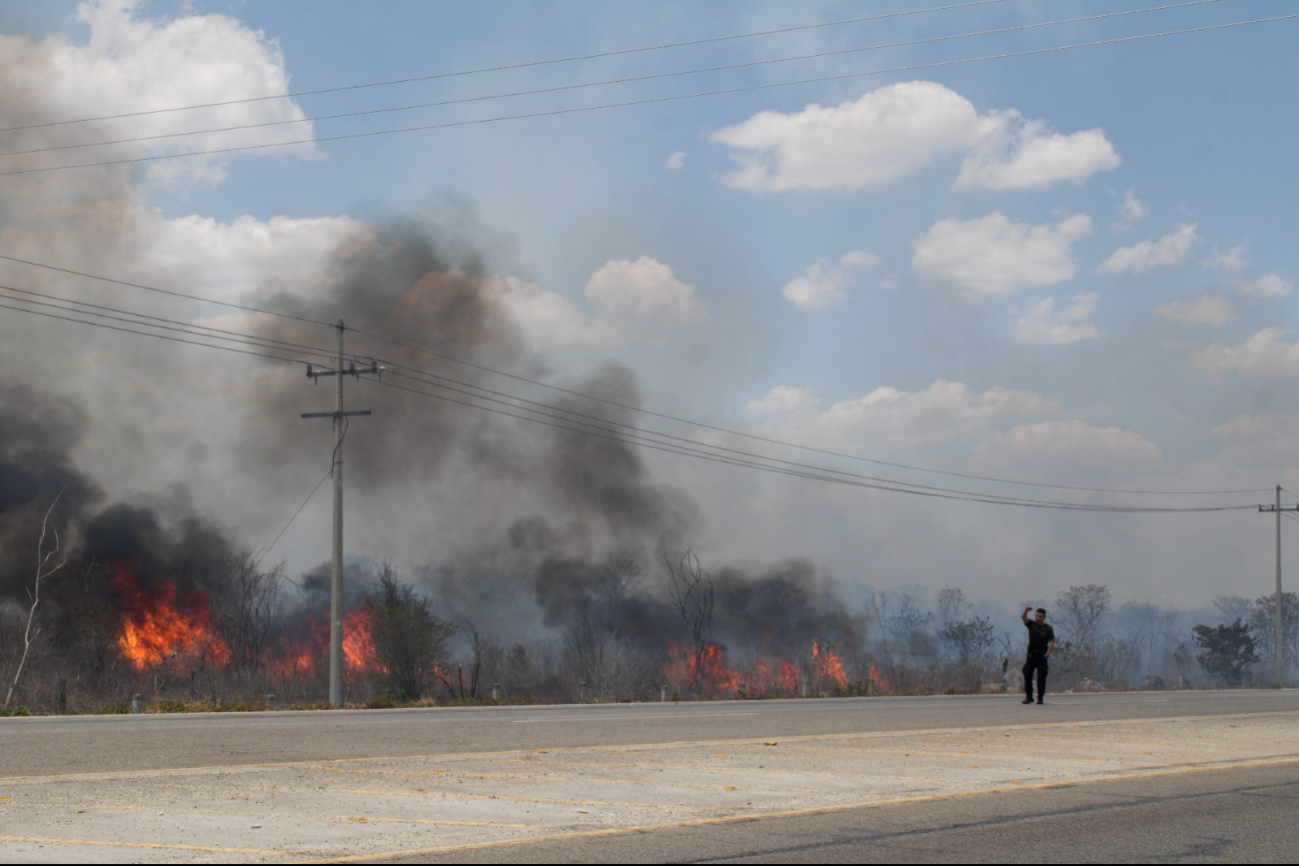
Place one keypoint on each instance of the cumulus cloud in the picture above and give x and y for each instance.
(233, 259)
(995, 256)
(1206, 310)
(549, 319)
(1130, 210)
(1055, 449)
(1171, 249)
(1028, 154)
(643, 298)
(131, 64)
(822, 285)
(1044, 324)
(895, 130)
(677, 161)
(1269, 286)
(888, 417)
(1258, 440)
(1234, 259)
(1263, 356)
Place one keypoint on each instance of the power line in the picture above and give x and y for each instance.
(610, 82)
(647, 101)
(794, 470)
(954, 495)
(174, 294)
(513, 66)
(322, 480)
(320, 352)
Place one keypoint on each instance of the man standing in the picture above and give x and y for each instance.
(1041, 640)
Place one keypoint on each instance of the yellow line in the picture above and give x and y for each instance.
(347, 818)
(534, 778)
(150, 845)
(451, 796)
(674, 744)
(792, 813)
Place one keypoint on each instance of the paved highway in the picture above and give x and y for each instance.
(81, 744)
(1157, 775)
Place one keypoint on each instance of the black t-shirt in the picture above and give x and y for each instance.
(1039, 637)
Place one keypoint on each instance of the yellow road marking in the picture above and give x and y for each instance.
(534, 778)
(793, 813)
(270, 815)
(454, 796)
(151, 845)
(675, 744)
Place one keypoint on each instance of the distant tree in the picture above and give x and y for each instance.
(969, 639)
(1263, 620)
(1080, 613)
(693, 594)
(952, 604)
(1228, 651)
(407, 637)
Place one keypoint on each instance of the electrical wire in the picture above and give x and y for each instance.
(753, 461)
(606, 83)
(640, 102)
(513, 66)
(1059, 506)
(310, 495)
(330, 355)
(174, 294)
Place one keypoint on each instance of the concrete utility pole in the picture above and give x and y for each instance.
(336, 567)
(1280, 619)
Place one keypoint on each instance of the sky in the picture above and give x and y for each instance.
(1073, 268)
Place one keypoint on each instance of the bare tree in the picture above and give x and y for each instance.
(43, 571)
(246, 606)
(618, 577)
(1080, 611)
(693, 595)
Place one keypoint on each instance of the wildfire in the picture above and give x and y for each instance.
(155, 627)
(827, 664)
(715, 675)
(358, 643)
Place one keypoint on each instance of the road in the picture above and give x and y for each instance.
(1163, 775)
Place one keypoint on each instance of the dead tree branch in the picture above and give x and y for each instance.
(42, 572)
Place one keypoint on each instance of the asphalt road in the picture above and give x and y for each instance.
(1228, 816)
(87, 744)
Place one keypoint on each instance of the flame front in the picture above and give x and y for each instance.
(156, 628)
(358, 643)
(827, 664)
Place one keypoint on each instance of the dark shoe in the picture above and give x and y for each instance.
(1027, 701)
(1039, 701)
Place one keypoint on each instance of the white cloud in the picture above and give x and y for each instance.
(884, 135)
(1258, 440)
(1056, 449)
(677, 161)
(1263, 356)
(822, 285)
(233, 259)
(995, 256)
(1042, 323)
(131, 64)
(643, 298)
(895, 130)
(549, 319)
(887, 417)
(1171, 249)
(1028, 154)
(1234, 259)
(1269, 286)
(1130, 210)
(1206, 310)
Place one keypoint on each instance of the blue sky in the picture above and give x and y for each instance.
(1075, 267)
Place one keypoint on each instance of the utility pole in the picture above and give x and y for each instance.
(336, 567)
(1280, 620)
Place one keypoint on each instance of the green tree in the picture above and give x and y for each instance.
(1228, 651)
(969, 639)
(407, 637)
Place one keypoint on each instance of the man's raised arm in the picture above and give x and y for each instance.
(1024, 615)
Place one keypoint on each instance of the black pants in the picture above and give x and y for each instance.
(1035, 663)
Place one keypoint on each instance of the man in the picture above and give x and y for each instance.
(1041, 640)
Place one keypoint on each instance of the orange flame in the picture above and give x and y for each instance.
(827, 664)
(358, 643)
(155, 628)
(716, 676)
